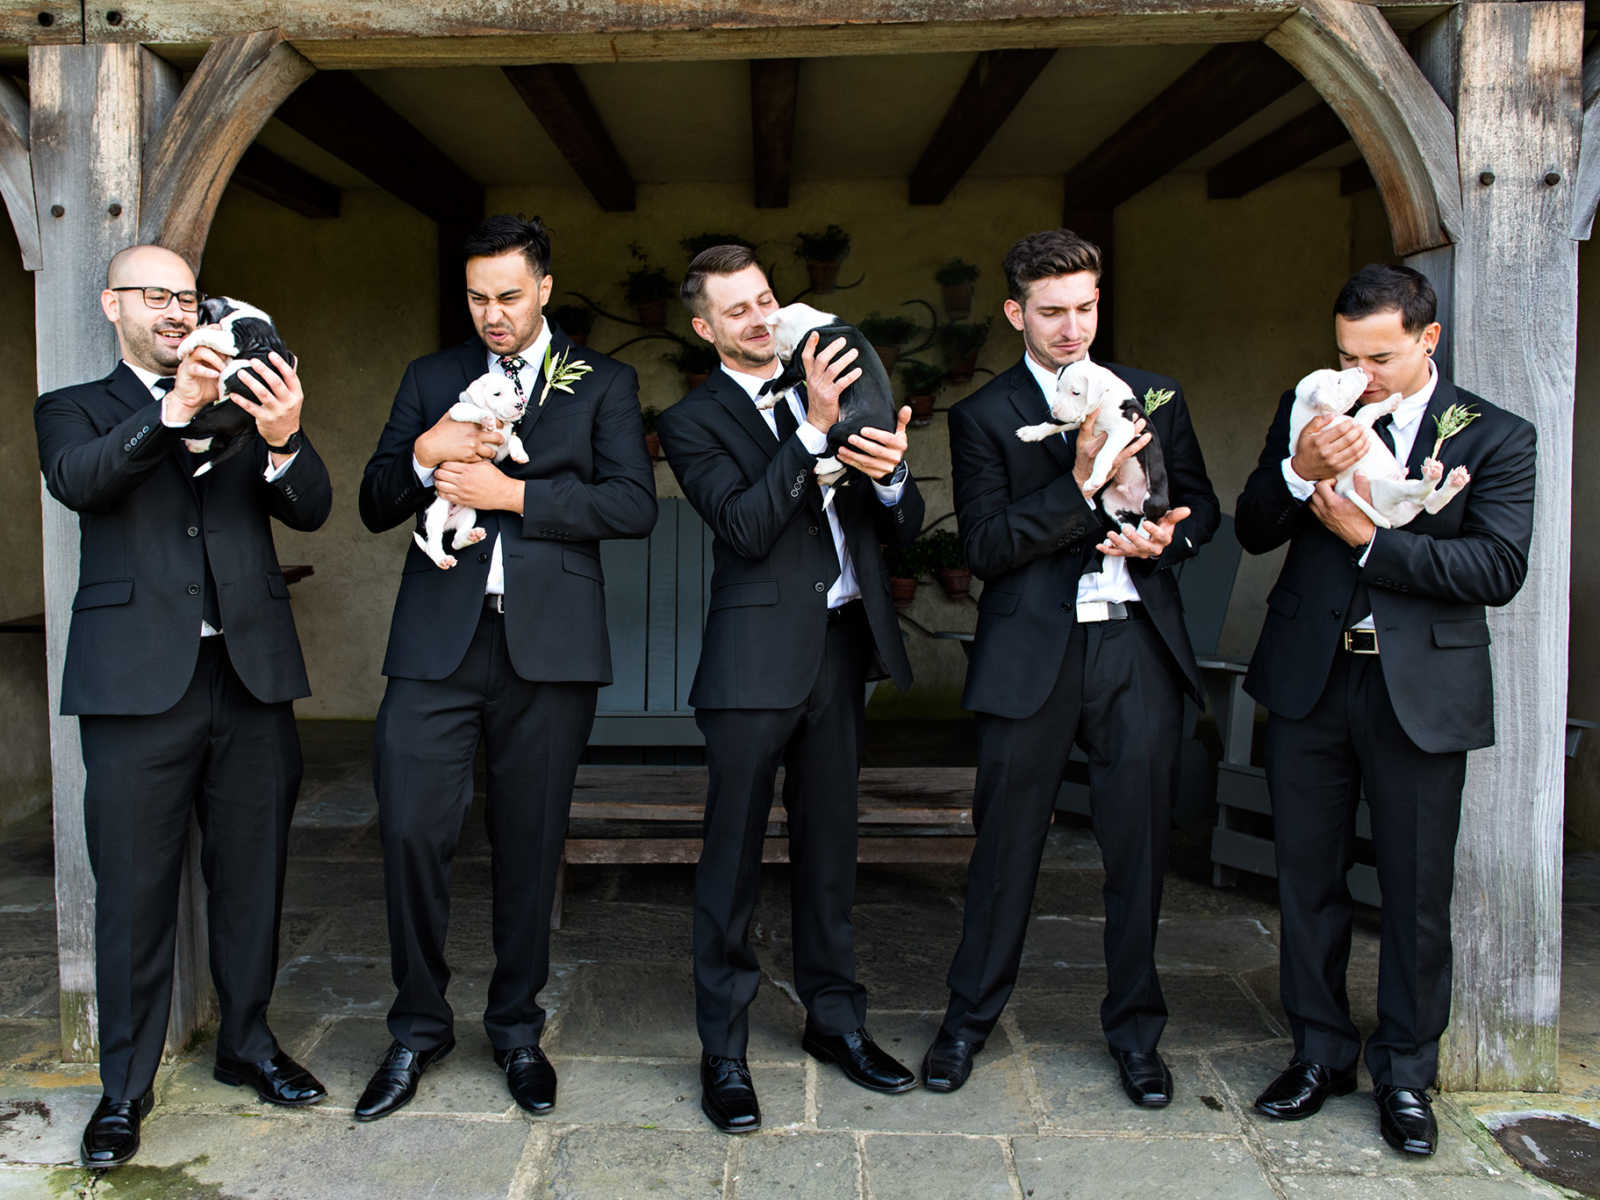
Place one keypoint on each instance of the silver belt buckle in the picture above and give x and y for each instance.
(1092, 612)
(1361, 641)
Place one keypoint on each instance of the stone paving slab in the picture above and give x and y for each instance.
(913, 1167)
(27, 892)
(28, 932)
(805, 1165)
(1061, 1006)
(1185, 943)
(1142, 1169)
(29, 1044)
(1432, 1187)
(666, 1095)
(344, 801)
(28, 986)
(40, 1125)
(595, 931)
(1081, 1092)
(333, 984)
(332, 882)
(606, 1162)
(467, 1081)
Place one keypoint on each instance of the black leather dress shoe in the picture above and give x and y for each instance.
(1405, 1118)
(1302, 1088)
(863, 1061)
(529, 1077)
(948, 1062)
(727, 1096)
(395, 1081)
(277, 1080)
(1144, 1077)
(111, 1137)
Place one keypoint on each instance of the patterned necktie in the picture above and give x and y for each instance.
(512, 365)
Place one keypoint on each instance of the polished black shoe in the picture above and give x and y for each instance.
(395, 1081)
(1405, 1118)
(277, 1080)
(727, 1096)
(948, 1062)
(1302, 1088)
(1144, 1077)
(529, 1077)
(863, 1061)
(111, 1137)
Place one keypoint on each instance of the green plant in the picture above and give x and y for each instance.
(907, 562)
(645, 284)
(575, 320)
(880, 330)
(830, 245)
(650, 416)
(704, 241)
(920, 378)
(694, 358)
(960, 339)
(954, 272)
(942, 549)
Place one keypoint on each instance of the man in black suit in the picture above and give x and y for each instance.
(182, 665)
(508, 646)
(1080, 637)
(1374, 666)
(800, 619)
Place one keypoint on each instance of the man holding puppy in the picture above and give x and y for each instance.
(1080, 638)
(800, 619)
(182, 666)
(509, 646)
(1374, 666)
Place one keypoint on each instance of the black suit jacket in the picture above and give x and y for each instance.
(588, 477)
(773, 551)
(1029, 533)
(141, 570)
(1428, 582)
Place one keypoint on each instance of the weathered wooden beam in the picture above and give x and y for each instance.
(340, 114)
(994, 86)
(275, 178)
(1586, 196)
(51, 23)
(774, 100)
(1355, 177)
(1292, 145)
(1404, 131)
(1225, 87)
(239, 84)
(556, 96)
(16, 172)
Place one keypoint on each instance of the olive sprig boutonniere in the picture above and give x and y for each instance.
(1451, 422)
(1154, 398)
(562, 373)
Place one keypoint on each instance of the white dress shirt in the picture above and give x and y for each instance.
(845, 588)
(1112, 582)
(532, 356)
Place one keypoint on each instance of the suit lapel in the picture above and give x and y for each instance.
(127, 389)
(1444, 395)
(559, 343)
(1033, 408)
(733, 398)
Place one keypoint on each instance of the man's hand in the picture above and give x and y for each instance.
(455, 441)
(1089, 445)
(875, 452)
(196, 384)
(279, 396)
(478, 484)
(1347, 522)
(1328, 447)
(826, 379)
(1147, 541)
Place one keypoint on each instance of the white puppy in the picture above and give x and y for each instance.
(1082, 387)
(1396, 500)
(492, 403)
(790, 325)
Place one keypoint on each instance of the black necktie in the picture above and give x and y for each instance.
(209, 609)
(1361, 601)
(164, 385)
(1384, 428)
(783, 414)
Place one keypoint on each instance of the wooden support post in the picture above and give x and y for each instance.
(774, 97)
(16, 172)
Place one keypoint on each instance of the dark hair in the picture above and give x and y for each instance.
(1046, 255)
(503, 233)
(714, 260)
(1379, 288)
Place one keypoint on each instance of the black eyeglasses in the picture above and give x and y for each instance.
(159, 297)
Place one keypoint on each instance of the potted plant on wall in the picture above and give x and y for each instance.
(575, 321)
(648, 289)
(956, 279)
(652, 440)
(696, 360)
(904, 563)
(959, 343)
(922, 381)
(947, 559)
(887, 335)
(704, 241)
(823, 252)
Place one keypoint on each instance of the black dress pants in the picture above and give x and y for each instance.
(235, 763)
(1316, 770)
(427, 742)
(819, 744)
(1118, 695)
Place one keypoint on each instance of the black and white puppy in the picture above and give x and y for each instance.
(239, 332)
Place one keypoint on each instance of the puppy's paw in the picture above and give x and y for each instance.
(1432, 470)
(476, 535)
(1459, 478)
(446, 562)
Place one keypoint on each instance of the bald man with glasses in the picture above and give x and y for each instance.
(182, 666)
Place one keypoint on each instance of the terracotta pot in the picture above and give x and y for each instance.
(824, 275)
(957, 299)
(956, 581)
(652, 314)
(888, 355)
(921, 409)
(652, 443)
(695, 378)
(962, 369)
(903, 592)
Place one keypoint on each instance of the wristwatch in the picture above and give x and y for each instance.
(290, 445)
(897, 476)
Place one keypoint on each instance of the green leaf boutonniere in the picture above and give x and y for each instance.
(562, 373)
(1154, 398)
(1451, 422)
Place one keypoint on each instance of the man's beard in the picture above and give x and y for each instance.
(746, 357)
(154, 351)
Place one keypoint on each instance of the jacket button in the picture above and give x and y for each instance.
(193, 531)
(820, 586)
(1333, 612)
(482, 557)
(812, 530)
(194, 589)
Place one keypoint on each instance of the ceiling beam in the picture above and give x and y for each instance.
(992, 89)
(774, 99)
(555, 95)
(341, 115)
(1309, 136)
(1227, 85)
(275, 178)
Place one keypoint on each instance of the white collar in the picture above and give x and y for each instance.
(532, 355)
(148, 378)
(1045, 377)
(752, 384)
(1411, 408)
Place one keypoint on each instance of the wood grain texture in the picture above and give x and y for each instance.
(1293, 144)
(1405, 131)
(239, 84)
(16, 173)
(1587, 196)
(774, 101)
(557, 98)
(1515, 309)
(994, 86)
(51, 23)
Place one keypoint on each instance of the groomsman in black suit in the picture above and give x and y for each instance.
(509, 647)
(182, 665)
(800, 619)
(1080, 638)
(1374, 666)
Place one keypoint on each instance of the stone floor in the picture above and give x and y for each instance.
(1041, 1117)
